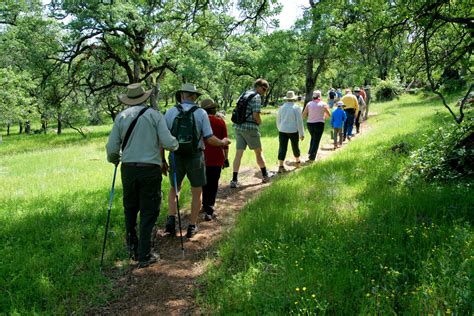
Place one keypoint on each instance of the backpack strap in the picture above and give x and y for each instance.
(250, 97)
(132, 126)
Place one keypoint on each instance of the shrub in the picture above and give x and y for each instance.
(447, 156)
(387, 90)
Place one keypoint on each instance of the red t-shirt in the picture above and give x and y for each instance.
(213, 155)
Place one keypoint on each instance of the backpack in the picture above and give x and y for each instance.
(239, 114)
(184, 129)
(332, 95)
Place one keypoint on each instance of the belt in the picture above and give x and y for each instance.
(139, 164)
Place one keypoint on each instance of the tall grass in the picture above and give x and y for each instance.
(343, 237)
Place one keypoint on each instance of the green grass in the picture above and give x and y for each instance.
(342, 237)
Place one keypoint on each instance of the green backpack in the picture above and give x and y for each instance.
(184, 129)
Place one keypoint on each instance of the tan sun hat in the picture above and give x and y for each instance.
(316, 93)
(208, 104)
(189, 87)
(356, 89)
(290, 95)
(135, 94)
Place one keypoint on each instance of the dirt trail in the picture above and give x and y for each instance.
(168, 287)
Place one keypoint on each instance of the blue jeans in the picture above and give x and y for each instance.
(349, 123)
(316, 131)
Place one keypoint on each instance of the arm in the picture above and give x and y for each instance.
(305, 111)
(299, 122)
(256, 117)
(327, 113)
(113, 144)
(214, 141)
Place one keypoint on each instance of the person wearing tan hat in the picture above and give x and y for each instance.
(216, 159)
(317, 111)
(141, 167)
(190, 165)
(290, 127)
(361, 107)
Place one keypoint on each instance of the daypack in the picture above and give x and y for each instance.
(332, 95)
(184, 129)
(239, 114)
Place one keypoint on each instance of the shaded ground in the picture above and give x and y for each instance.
(168, 287)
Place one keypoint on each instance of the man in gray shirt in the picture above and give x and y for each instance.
(141, 168)
(190, 165)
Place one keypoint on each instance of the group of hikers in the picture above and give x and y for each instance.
(197, 140)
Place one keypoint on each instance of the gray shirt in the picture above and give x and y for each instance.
(144, 143)
(201, 120)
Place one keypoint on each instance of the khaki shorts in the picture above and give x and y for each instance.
(192, 167)
(250, 138)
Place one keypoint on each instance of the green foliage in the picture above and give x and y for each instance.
(447, 156)
(387, 90)
(340, 238)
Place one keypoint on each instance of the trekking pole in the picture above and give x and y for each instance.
(108, 215)
(177, 200)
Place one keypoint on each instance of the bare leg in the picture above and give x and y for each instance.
(238, 157)
(259, 156)
(195, 204)
(172, 201)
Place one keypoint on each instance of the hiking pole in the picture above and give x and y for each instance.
(173, 164)
(108, 215)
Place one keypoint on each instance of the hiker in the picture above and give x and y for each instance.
(316, 111)
(216, 159)
(189, 158)
(361, 106)
(338, 95)
(331, 97)
(247, 133)
(351, 107)
(290, 127)
(141, 167)
(338, 118)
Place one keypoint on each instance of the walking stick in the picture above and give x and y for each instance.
(177, 199)
(108, 215)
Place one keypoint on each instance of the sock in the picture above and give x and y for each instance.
(234, 176)
(264, 171)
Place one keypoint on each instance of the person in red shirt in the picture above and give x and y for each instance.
(216, 159)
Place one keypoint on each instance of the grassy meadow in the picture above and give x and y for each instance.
(340, 237)
(344, 237)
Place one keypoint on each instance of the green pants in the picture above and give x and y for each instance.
(141, 193)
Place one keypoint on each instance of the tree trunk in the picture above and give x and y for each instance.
(20, 127)
(8, 129)
(27, 127)
(59, 123)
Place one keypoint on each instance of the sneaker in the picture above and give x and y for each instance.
(170, 225)
(234, 184)
(281, 169)
(208, 217)
(192, 230)
(267, 178)
(152, 258)
(132, 247)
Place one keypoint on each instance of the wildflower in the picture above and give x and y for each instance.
(368, 294)
(356, 270)
(304, 288)
(448, 311)
(296, 303)
(313, 296)
(297, 289)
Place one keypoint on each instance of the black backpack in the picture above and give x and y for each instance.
(239, 114)
(332, 95)
(184, 129)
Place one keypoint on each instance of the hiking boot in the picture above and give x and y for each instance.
(152, 258)
(209, 213)
(281, 169)
(170, 225)
(208, 217)
(132, 247)
(234, 184)
(192, 230)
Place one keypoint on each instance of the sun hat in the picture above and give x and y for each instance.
(340, 103)
(135, 94)
(290, 95)
(316, 93)
(356, 89)
(189, 87)
(208, 104)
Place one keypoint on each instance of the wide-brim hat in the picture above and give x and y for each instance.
(135, 94)
(189, 87)
(356, 89)
(291, 96)
(208, 104)
(316, 93)
(340, 103)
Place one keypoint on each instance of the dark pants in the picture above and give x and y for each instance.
(349, 123)
(283, 147)
(141, 193)
(209, 191)
(357, 122)
(316, 131)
